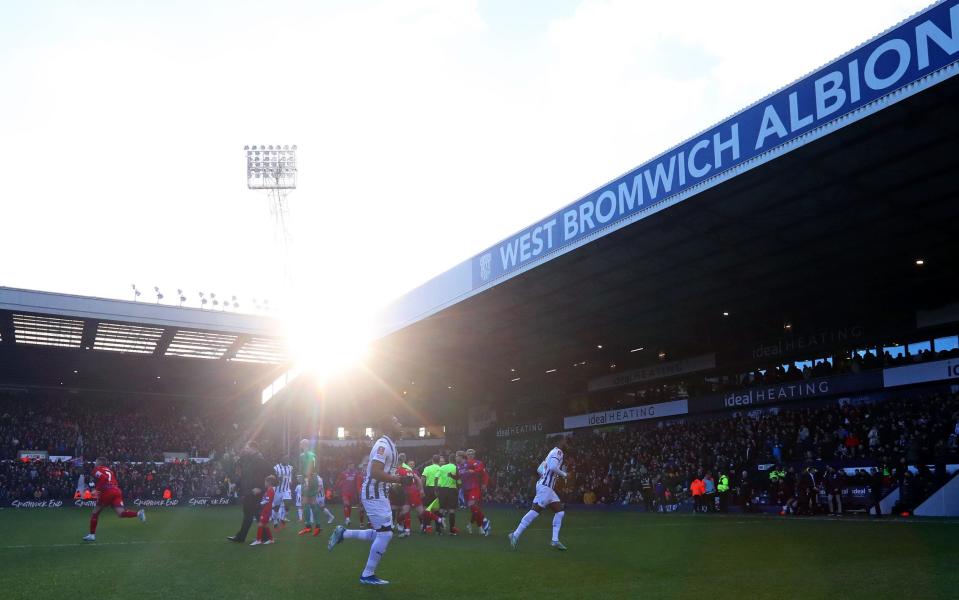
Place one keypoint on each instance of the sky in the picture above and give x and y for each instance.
(427, 130)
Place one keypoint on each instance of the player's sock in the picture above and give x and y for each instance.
(128, 514)
(94, 519)
(259, 533)
(347, 511)
(476, 516)
(380, 542)
(359, 534)
(525, 522)
(406, 521)
(557, 523)
(452, 519)
(299, 514)
(281, 513)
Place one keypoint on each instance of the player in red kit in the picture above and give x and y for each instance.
(475, 478)
(108, 493)
(347, 484)
(412, 497)
(263, 533)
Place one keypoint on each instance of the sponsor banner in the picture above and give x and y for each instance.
(788, 392)
(833, 96)
(659, 371)
(36, 504)
(139, 502)
(33, 454)
(208, 501)
(169, 457)
(812, 342)
(921, 373)
(523, 430)
(421, 442)
(625, 415)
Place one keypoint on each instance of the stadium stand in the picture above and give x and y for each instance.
(606, 467)
(122, 429)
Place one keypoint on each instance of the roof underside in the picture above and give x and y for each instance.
(828, 233)
(68, 342)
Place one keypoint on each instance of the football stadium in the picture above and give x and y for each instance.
(732, 371)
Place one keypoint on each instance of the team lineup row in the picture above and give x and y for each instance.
(388, 492)
(390, 484)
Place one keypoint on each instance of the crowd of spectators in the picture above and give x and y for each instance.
(615, 466)
(36, 426)
(47, 480)
(609, 467)
(840, 363)
(121, 429)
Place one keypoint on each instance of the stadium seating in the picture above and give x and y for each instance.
(605, 467)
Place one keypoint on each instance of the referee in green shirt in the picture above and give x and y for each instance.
(447, 485)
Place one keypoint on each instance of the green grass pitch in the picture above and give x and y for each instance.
(181, 553)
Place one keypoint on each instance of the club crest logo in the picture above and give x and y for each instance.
(486, 266)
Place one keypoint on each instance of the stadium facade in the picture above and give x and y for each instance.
(821, 218)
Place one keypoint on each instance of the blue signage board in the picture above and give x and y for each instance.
(779, 393)
(864, 79)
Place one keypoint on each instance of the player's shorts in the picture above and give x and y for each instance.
(310, 493)
(413, 497)
(449, 498)
(379, 512)
(429, 494)
(265, 514)
(110, 497)
(474, 495)
(545, 496)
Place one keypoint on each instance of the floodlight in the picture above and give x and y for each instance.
(271, 168)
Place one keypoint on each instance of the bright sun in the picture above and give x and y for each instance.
(326, 341)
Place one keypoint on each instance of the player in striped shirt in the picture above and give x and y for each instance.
(549, 471)
(321, 500)
(298, 497)
(380, 474)
(284, 477)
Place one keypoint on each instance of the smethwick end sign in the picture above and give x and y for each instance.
(878, 69)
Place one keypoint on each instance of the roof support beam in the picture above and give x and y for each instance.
(89, 334)
(235, 347)
(6, 327)
(164, 342)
